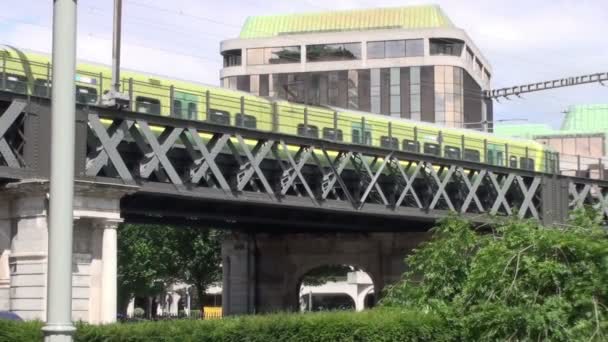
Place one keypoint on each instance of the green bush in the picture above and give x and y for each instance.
(519, 281)
(374, 325)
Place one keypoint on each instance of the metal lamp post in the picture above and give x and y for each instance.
(59, 325)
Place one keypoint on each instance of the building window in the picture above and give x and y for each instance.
(232, 58)
(332, 134)
(449, 96)
(375, 50)
(446, 47)
(375, 91)
(353, 89)
(217, 116)
(414, 48)
(415, 93)
(273, 55)
(395, 48)
(244, 120)
(395, 92)
(389, 142)
(333, 52)
(308, 131)
(147, 105)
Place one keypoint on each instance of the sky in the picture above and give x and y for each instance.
(525, 41)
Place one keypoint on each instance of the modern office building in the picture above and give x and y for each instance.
(408, 62)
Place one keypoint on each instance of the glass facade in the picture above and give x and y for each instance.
(333, 52)
(435, 94)
(274, 55)
(446, 47)
(395, 48)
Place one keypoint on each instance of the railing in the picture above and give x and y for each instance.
(296, 119)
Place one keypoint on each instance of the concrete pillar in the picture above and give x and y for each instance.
(109, 271)
(239, 288)
(5, 249)
(24, 229)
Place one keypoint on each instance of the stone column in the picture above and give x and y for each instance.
(109, 263)
(5, 247)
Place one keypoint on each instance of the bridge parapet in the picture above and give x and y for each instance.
(192, 159)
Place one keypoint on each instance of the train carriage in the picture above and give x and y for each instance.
(28, 73)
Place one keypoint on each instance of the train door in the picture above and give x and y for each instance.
(496, 154)
(358, 137)
(185, 105)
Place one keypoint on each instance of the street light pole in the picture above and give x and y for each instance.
(59, 327)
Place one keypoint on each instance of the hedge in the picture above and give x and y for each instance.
(373, 325)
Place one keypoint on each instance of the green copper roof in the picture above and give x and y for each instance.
(586, 118)
(412, 17)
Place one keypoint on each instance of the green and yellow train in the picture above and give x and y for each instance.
(28, 73)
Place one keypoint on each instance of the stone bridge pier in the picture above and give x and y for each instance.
(24, 249)
(262, 271)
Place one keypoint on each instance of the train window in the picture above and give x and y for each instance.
(41, 87)
(451, 152)
(526, 163)
(15, 83)
(471, 155)
(432, 149)
(356, 134)
(500, 158)
(244, 120)
(86, 95)
(513, 162)
(217, 116)
(192, 111)
(332, 134)
(177, 108)
(490, 157)
(389, 142)
(147, 105)
(410, 145)
(308, 131)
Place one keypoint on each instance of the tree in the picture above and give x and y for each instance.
(146, 261)
(199, 258)
(522, 281)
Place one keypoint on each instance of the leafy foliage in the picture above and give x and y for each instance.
(151, 257)
(374, 325)
(522, 282)
(327, 273)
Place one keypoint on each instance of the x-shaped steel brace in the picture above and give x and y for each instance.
(106, 147)
(7, 119)
(203, 159)
(441, 184)
(252, 166)
(578, 198)
(501, 191)
(602, 200)
(374, 180)
(155, 150)
(409, 183)
(472, 187)
(295, 171)
(342, 162)
(335, 166)
(529, 193)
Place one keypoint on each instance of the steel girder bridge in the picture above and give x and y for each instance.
(193, 171)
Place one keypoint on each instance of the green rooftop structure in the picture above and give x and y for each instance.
(591, 118)
(411, 17)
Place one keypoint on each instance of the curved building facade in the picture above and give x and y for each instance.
(408, 62)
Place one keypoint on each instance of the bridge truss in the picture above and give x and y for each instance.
(173, 159)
